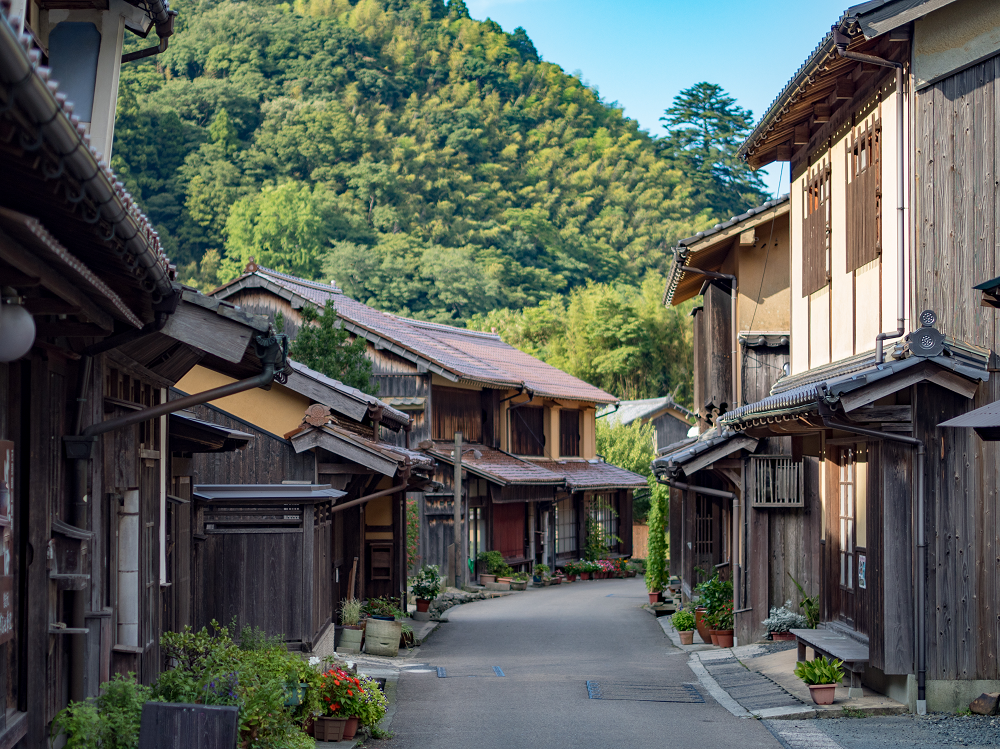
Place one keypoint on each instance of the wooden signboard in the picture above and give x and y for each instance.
(6, 608)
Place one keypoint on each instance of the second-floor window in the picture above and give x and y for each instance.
(454, 410)
(527, 430)
(816, 229)
(569, 432)
(864, 194)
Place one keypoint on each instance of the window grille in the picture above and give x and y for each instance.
(565, 526)
(864, 194)
(569, 432)
(775, 481)
(816, 230)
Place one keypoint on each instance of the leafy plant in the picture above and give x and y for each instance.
(820, 671)
(372, 706)
(721, 618)
(809, 605)
(782, 619)
(324, 345)
(492, 561)
(427, 582)
(541, 570)
(683, 621)
(520, 577)
(656, 556)
(350, 612)
(109, 722)
(342, 693)
(383, 606)
(598, 540)
(714, 593)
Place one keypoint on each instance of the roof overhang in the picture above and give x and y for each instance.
(702, 454)
(191, 435)
(351, 447)
(346, 400)
(985, 420)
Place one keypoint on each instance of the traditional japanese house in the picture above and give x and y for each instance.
(95, 332)
(671, 421)
(738, 505)
(890, 128)
(532, 473)
(314, 449)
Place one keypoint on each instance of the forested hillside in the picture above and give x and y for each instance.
(432, 164)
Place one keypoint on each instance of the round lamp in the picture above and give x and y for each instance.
(17, 332)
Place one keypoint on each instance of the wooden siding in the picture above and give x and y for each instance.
(669, 429)
(717, 375)
(700, 344)
(569, 432)
(456, 410)
(527, 430)
(759, 368)
(509, 529)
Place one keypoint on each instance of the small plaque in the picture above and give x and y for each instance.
(6, 608)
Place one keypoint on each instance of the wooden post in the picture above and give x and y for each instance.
(459, 563)
(350, 580)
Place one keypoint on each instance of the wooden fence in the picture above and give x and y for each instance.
(640, 541)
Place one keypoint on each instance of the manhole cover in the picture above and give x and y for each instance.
(615, 690)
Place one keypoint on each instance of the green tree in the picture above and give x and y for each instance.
(324, 345)
(705, 128)
(631, 447)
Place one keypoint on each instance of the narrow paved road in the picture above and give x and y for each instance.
(549, 643)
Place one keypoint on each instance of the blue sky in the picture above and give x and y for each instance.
(641, 53)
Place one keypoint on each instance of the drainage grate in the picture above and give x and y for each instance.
(495, 671)
(615, 690)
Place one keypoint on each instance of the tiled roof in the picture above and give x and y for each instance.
(497, 465)
(629, 411)
(401, 455)
(458, 353)
(350, 392)
(586, 475)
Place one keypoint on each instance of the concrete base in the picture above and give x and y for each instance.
(497, 586)
(421, 616)
(953, 695)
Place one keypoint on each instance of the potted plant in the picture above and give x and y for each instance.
(372, 706)
(342, 694)
(504, 572)
(712, 594)
(572, 569)
(519, 581)
(781, 620)
(720, 624)
(352, 632)
(491, 561)
(382, 631)
(585, 570)
(683, 622)
(540, 574)
(822, 676)
(426, 586)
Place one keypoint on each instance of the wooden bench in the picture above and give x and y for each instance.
(834, 644)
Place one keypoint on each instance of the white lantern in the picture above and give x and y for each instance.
(17, 332)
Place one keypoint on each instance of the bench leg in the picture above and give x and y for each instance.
(802, 652)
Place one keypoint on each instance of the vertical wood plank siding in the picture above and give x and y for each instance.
(508, 529)
(569, 432)
(527, 430)
(816, 229)
(718, 372)
(700, 364)
(864, 194)
(957, 236)
(457, 410)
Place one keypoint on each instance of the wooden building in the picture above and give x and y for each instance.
(95, 332)
(890, 129)
(311, 432)
(671, 421)
(529, 426)
(727, 512)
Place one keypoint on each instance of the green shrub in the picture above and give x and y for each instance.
(373, 705)
(384, 606)
(109, 722)
(427, 582)
(492, 561)
(656, 556)
(820, 671)
(714, 594)
(683, 621)
(541, 570)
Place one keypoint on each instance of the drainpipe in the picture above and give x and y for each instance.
(733, 293)
(918, 605)
(841, 41)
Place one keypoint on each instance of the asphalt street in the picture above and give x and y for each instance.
(549, 644)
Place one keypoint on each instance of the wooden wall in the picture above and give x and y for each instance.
(717, 377)
(759, 368)
(669, 429)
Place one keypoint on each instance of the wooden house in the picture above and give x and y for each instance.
(531, 470)
(671, 421)
(95, 332)
(314, 444)
(724, 513)
(890, 128)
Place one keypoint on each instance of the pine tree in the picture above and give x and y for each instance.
(324, 345)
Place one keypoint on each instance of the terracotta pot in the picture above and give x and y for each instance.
(584, 575)
(483, 579)
(571, 578)
(724, 638)
(687, 637)
(329, 729)
(823, 694)
(699, 623)
(654, 597)
(782, 637)
(713, 637)
(423, 604)
(505, 579)
(350, 728)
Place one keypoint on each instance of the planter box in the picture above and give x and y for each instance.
(782, 637)
(382, 637)
(823, 694)
(350, 639)
(329, 729)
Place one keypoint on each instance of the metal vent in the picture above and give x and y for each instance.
(775, 481)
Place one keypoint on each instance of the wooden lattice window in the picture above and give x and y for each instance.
(864, 194)
(775, 481)
(816, 230)
(569, 432)
(846, 516)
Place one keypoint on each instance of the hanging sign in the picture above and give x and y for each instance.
(862, 569)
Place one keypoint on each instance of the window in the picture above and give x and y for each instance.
(569, 432)
(774, 481)
(527, 430)
(816, 230)
(603, 520)
(847, 497)
(565, 526)
(456, 410)
(864, 194)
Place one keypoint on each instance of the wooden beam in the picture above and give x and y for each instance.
(49, 306)
(784, 151)
(821, 113)
(843, 90)
(65, 329)
(28, 263)
(882, 413)
(801, 136)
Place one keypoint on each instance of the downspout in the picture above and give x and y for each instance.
(921, 549)
(842, 40)
(733, 295)
(164, 19)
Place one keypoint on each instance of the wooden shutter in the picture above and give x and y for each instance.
(864, 194)
(569, 432)
(508, 529)
(527, 430)
(816, 230)
(457, 410)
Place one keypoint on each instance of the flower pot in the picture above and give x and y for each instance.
(350, 639)
(724, 638)
(519, 585)
(687, 636)
(382, 637)
(702, 627)
(294, 694)
(654, 597)
(713, 637)
(423, 604)
(507, 580)
(823, 694)
(350, 728)
(483, 579)
(329, 729)
(584, 575)
(571, 578)
(782, 636)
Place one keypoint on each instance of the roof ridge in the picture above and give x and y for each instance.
(450, 328)
(332, 287)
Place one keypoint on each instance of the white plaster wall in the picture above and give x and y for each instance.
(841, 283)
(799, 304)
(819, 328)
(890, 265)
